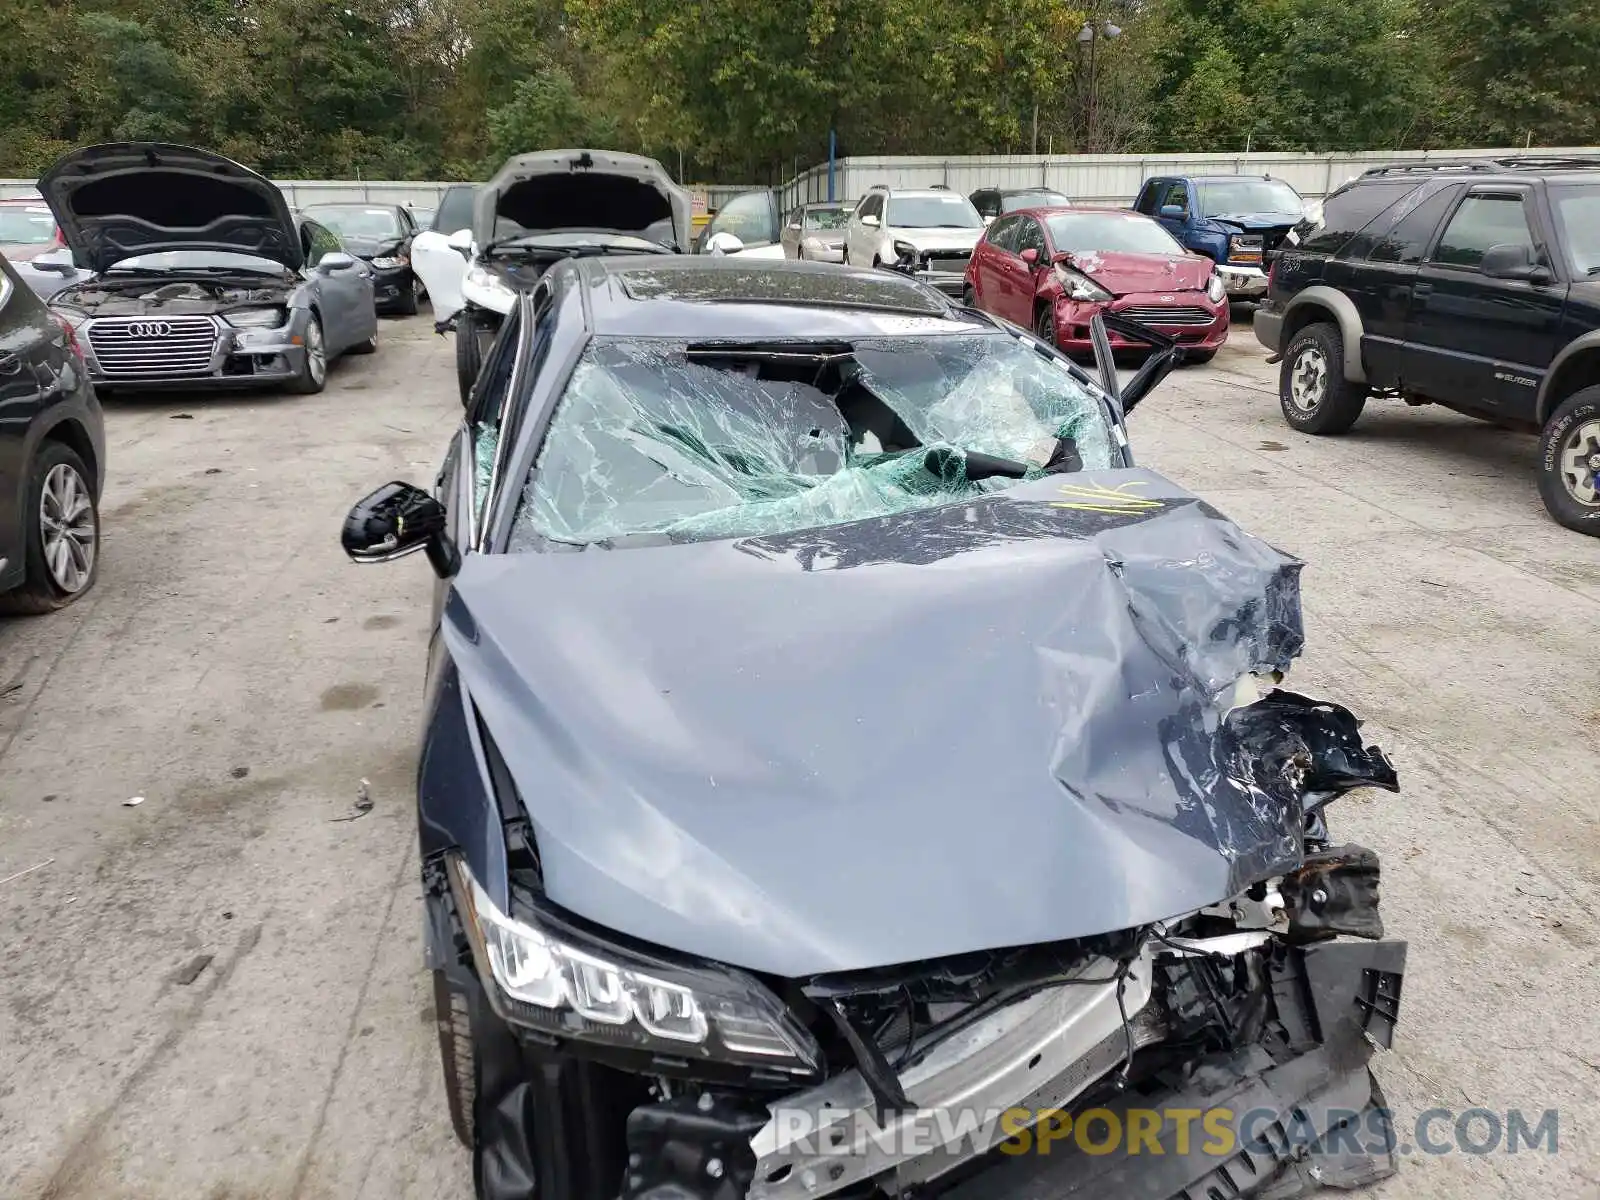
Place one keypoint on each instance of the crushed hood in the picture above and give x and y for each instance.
(127, 198)
(984, 724)
(1253, 222)
(558, 190)
(1121, 273)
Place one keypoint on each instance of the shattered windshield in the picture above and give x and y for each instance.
(657, 437)
(357, 221)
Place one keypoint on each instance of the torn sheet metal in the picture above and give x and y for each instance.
(651, 440)
(1018, 693)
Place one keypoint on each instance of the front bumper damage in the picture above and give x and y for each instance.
(128, 354)
(1241, 1051)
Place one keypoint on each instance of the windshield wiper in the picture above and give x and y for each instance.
(1595, 270)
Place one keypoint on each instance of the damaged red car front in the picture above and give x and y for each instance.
(1052, 269)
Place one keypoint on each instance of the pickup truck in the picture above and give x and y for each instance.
(1235, 220)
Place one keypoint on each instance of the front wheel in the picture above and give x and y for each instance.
(969, 297)
(1312, 390)
(453, 1018)
(1044, 325)
(61, 536)
(469, 352)
(1569, 462)
(407, 305)
(313, 375)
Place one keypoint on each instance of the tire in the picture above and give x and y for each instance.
(469, 356)
(969, 297)
(1569, 462)
(406, 306)
(313, 375)
(1312, 390)
(1044, 324)
(452, 1018)
(370, 346)
(75, 549)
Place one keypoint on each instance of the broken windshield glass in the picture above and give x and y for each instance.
(666, 438)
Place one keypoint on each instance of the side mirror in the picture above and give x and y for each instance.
(1175, 211)
(1030, 256)
(396, 520)
(723, 242)
(335, 260)
(870, 221)
(1513, 261)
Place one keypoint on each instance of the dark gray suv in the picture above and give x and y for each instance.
(52, 457)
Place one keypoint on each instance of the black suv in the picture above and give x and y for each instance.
(52, 455)
(1475, 285)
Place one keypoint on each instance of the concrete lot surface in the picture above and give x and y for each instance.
(218, 994)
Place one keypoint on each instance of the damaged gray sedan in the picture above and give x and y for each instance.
(846, 774)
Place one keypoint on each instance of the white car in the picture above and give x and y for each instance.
(935, 228)
(438, 263)
(747, 226)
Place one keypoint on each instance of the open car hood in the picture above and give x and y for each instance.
(127, 198)
(984, 724)
(562, 190)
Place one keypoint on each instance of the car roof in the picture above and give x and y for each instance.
(1053, 210)
(699, 296)
(1553, 168)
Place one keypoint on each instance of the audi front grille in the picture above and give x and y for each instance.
(153, 347)
(1153, 314)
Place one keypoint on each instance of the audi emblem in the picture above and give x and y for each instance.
(150, 329)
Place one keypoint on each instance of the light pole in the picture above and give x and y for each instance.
(1091, 37)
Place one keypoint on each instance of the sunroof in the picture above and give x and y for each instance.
(763, 285)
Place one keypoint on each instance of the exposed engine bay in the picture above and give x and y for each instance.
(176, 296)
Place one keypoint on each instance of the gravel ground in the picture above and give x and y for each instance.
(218, 994)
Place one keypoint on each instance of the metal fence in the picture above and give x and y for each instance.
(300, 192)
(1109, 178)
(1086, 178)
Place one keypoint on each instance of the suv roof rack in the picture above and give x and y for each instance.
(1587, 162)
(1509, 162)
(938, 187)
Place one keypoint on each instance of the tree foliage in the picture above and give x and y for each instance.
(746, 90)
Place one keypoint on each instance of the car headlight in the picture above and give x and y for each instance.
(1079, 286)
(905, 250)
(390, 262)
(1216, 288)
(485, 280)
(256, 318)
(1245, 248)
(551, 976)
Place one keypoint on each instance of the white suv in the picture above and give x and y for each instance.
(934, 227)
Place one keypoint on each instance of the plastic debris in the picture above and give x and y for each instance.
(190, 971)
(133, 802)
(363, 802)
